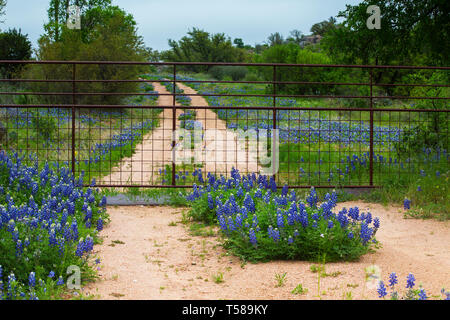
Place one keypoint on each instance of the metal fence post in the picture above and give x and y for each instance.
(174, 122)
(73, 116)
(274, 117)
(371, 131)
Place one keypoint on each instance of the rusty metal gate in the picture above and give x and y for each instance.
(295, 122)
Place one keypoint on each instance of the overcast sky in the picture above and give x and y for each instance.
(158, 21)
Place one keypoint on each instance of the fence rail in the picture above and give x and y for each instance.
(132, 144)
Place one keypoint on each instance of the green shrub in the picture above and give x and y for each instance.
(260, 225)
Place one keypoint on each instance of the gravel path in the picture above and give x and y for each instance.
(148, 254)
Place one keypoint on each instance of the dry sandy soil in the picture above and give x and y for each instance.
(147, 253)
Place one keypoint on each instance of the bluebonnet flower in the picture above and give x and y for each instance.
(222, 223)
(422, 294)
(231, 224)
(330, 224)
(393, 279)
(210, 201)
(290, 240)
(103, 201)
(312, 198)
(280, 220)
(276, 235)
(32, 280)
(350, 235)
(410, 281)
(419, 188)
(249, 203)
(60, 281)
(100, 224)
(381, 290)
(365, 233)
(51, 275)
(407, 204)
(252, 236)
(376, 223)
(284, 190)
(238, 220)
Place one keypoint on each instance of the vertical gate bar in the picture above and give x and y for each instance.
(73, 116)
(174, 123)
(274, 118)
(371, 131)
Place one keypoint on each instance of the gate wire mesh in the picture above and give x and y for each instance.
(325, 140)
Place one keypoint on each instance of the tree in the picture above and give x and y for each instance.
(323, 27)
(292, 53)
(2, 7)
(408, 29)
(113, 37)
(296, 36)
(239, 43)
(13, 46)
(58, 15)
(200, 46)
(275, 39)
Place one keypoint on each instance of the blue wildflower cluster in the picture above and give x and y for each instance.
(47, 222)
(410, 294)
(263, 222)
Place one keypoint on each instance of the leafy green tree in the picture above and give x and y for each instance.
(113, 37)
(296, 36)
(408, 29)
(2, 7)
(291, 53)
(275, 39)
(239, 43)
(201, 46)
(321, 28)
(13, 46)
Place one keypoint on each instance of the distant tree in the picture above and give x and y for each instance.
(259, 48)
(13, 46)
(295, 36)
(201, 46)
(2, 8)
(323, 27)
(275, 39)
(239, 43)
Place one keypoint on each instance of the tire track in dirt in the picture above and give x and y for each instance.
(153, 153)
(221, 150)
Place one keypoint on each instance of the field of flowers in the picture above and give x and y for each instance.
(48, 222)
(103, 136)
